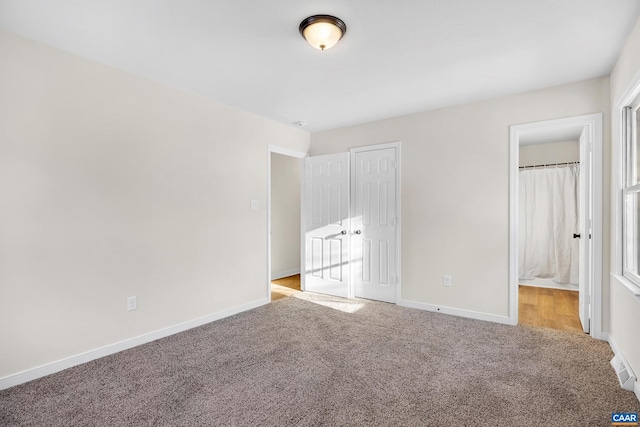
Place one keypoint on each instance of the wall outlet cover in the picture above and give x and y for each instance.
(132, 303)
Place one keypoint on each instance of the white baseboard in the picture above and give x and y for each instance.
(456, 312)
(280, 275)
(78, 359)
(614, 346)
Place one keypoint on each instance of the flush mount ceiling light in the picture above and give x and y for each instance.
(322, 31)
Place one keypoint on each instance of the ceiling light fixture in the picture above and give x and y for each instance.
(322, 31)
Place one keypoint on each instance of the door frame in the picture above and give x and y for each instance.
(591, 123)
(298, 155)
(352, 154)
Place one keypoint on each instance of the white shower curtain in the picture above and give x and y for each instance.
(548, 210)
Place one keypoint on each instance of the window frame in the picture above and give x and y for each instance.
(630, 216)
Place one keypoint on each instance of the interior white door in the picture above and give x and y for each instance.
(326, 218)
(374, 224)
(585, 215)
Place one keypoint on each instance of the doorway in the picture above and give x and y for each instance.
(548, 232)
(587, 131)
(284, 215)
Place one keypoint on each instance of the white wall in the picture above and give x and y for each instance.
(625, 309)
(554, 152)
(285, 215)
(455, 189)
(112, 186)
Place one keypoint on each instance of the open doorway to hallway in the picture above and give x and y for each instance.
(285, 287)
(284, 222)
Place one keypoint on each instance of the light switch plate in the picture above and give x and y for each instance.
(446, 281)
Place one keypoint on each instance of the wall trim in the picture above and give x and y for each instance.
(456, 312)
(79, 359)
(281, 274)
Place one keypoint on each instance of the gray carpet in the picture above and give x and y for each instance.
(312, 360)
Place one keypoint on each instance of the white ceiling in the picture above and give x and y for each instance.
(398, 57)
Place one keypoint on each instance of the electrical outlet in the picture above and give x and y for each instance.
(132, 303)
(446, 281)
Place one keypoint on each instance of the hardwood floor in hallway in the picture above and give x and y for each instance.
(549, 308)
(285, 287)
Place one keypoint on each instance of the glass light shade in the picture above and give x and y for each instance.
(322, 31)
(322, 35)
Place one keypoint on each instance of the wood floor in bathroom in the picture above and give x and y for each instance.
(549, 308)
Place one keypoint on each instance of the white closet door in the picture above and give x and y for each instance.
(374, 224)
(326, 215)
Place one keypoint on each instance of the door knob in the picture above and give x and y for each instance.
(343, 232)
(357, 232)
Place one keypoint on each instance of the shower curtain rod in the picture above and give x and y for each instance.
(549, 164)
